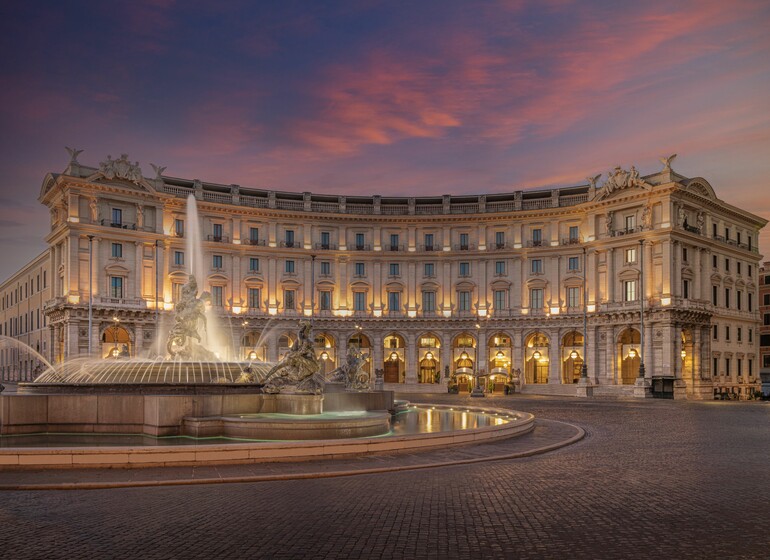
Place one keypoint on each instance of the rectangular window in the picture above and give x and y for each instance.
(630, 255)
(727, 366)
(536, 298)
(289, 300)
(253, 264)
(714, 295)
(217, 298)
(428, 241)
(288, 237)
(117, 217)
(254, 298)
(714, 261)
(500, 299)
(394, 302)
(727, 297)
(766, 299)
(179, 258)
(429, 302)
(359, 269)
(179, 227)
(325, 300)
(739, 363)
(394, 269)
(536, 266)
(713, 230)
(686, 289)
(727, 233)
(325, 239)
(629, 290)
(394, 242)
(715, 332)
(465, 269)
(684, 254)
(116, 287)
(751, 301)
(500, 239)
(288, 267)
(630, 223)
(750, 271)
(464, 242)
(117, 250)
(751, 367)
(573, 297)
(537, 237)
(739, 334)
(751, 335)
(573, 263)
(738, 299)
(360, 241)
(727, 265)
(464, 300)
(217, 232)
(176, 291)
(716, 366)
(359, 301)
(573, 234)
(766, 319)
(499, 268)
(727, 333)
(738, 267)
(254, 235)
(216, 261)
(326, 268)
(429, 270)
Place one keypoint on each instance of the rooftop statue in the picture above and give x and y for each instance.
(121, 168)
(666, 161)
(297, 371)
(351, 372)
(619, 179)
(184, 339)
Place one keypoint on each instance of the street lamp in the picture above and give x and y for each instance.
(584, 367)
(573, 355)
(537, 355)
(683, 353)
(115, 352)
(641, 308)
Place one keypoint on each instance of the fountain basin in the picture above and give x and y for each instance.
(504, 424)
(278, 426)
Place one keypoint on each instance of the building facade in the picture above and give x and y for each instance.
(430, 288)
(23, 322)
(764, 330)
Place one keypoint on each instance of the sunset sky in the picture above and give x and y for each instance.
(382, 97)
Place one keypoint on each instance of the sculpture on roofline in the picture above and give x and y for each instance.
(666, 161)
(297, 372)
(121, 168)
(74, 153)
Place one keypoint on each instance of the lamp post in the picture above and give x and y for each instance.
(157, 294)
(90, 292)
(584, 367)
(641, 308)
(312, 290)
(115, 352)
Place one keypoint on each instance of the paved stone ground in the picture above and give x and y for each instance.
(653, 479)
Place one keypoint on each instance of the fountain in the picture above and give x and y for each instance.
(190, 392)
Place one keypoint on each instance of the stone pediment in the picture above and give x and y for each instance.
(121, 172)
(620, 180)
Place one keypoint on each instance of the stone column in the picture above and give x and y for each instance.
(697, 271)
(554, 357)
(377, 350)
(237, 288)
(138, 272)
(97, 276)
(612, 362)
(611, 280)
(410, 356)
(649, 356)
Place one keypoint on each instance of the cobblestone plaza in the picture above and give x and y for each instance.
(651, 479)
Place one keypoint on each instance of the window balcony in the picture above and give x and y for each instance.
(464, 247)
(394, 248)
(497, 246)
(536, 243)
(255, 242)
(218, 238)
(117, 225)
(362, 247)
(428, 248)
(290, 244)
(571, 241)
(325, 246)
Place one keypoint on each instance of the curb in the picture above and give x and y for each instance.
(298, 476)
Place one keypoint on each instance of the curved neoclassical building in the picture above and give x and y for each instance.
(431, 288)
